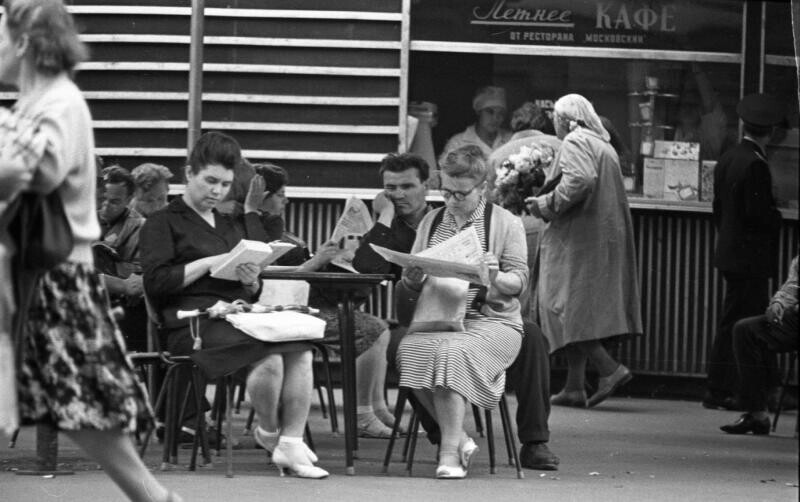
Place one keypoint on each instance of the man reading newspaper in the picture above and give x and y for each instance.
(398, 210)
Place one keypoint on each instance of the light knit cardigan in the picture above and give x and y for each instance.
(507, 241)
(68, 164)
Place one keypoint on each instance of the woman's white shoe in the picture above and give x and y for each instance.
(466, 450)
(295, 459)
(450, 472)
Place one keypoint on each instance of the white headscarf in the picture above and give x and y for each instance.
(574, 108)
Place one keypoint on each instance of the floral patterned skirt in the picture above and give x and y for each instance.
(74, 371)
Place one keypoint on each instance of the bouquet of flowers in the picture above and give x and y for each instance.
(521, 175)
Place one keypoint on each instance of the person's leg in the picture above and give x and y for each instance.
(450, 408)
(576, 369)
(264, 384)
(601, 359)
(744, 297)
(114, 451)
(529, 376)
(371, 371)
(750, 351)
(377, 398)
(425, 398)
(298, 387)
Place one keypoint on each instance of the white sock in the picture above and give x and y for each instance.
(362, 410)
(291, 440)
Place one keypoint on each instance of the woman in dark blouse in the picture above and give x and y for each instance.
(179, 244)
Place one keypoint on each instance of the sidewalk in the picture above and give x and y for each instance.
(626, 449)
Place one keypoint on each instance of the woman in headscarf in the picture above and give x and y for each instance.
(587, 286)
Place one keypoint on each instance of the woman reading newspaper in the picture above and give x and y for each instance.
(448, 369)
(179, 245)
(268, 193)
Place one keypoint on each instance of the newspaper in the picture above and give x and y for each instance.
(459, 257)
(354, 222)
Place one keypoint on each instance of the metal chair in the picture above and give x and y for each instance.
(413, 429)
(786, 383)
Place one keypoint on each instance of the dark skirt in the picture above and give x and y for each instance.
(74, 372)
(225, 349)
(367, 329)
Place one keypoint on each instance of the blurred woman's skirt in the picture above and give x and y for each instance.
(74, 371)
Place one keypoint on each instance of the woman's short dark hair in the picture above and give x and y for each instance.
(275, 177)
(214, 148)
(757, 131)
(399, 162)
(52, 38)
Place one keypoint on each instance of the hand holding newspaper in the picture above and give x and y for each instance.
(460, 257)
(354, 222)
(248, 251)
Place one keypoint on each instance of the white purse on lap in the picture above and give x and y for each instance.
(279, 326)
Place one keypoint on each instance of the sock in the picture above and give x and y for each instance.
(291, 440)
(362, 410)
(384, 416)
(449, 457)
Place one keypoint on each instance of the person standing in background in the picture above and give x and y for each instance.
(587, 275)
(487, 133)
(747, 224)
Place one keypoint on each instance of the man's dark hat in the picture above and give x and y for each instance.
(761, 110)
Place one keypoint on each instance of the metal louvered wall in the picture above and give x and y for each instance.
(681, 290)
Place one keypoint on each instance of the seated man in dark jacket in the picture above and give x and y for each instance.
(398, 210)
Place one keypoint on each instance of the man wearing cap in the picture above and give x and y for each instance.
(747, 224)
(489, 104)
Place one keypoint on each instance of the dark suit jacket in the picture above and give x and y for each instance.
(745, 215)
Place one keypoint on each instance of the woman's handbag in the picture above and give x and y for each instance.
(276, 327)
(40, 228)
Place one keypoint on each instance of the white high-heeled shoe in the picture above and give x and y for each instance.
(296, 460)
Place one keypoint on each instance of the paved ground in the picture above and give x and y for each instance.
(627, 449)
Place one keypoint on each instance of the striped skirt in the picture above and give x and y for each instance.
(471, 363)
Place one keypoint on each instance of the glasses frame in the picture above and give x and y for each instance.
(459, 195)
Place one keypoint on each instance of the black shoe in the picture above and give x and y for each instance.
(538, 456)
(715, 401)
(746, 423)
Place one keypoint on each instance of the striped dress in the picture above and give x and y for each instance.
(473, 362)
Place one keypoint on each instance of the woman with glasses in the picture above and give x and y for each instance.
(449, 369)
(587, 275)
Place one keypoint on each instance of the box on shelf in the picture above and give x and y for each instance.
(707, 180)
(677, 150)
(653, 178)
(681, 179)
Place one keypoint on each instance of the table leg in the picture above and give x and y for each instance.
(347, 334)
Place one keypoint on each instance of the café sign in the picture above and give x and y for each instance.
(710, 25)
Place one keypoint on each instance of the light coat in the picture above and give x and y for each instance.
(587, 284)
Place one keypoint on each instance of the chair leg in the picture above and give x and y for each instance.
(785, 384)
(490, 441)
(398, 417)
(309, 439)
(229, 427)
(412, 432)
(200, 437)
(322, 407)
(407, 442)
(13, 441)
(508, 430)
(476, 413)
(329, 387)
(220, 396)
(248, 426)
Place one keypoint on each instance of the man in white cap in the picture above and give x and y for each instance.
(489, 104)
(747, 224)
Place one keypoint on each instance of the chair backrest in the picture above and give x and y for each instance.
(154, 324)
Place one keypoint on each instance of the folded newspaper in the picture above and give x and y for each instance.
(459, 257)
(248, 251)
(354, 222)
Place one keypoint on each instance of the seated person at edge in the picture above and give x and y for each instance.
(116, 254)
(398, 211)
(487, 132)
(151, 188)
(448, 370)
(268, 194)
(756, 340)
(179, 245)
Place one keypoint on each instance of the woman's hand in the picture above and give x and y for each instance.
(414, 277)
(255, 194)
(247, 273)
(491, 262)
(533, 207)
(324, 255)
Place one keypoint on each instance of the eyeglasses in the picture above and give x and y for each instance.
(456, 194)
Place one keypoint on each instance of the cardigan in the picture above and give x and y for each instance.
(507, 241)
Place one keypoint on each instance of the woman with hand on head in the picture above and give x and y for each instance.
(268, 193)
(448, 370)
(179, 245)
(73, 372)
(587, 287)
